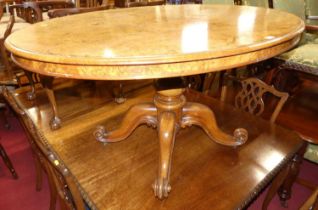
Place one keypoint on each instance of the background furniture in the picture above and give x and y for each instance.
(251, 98)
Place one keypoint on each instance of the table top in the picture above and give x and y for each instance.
(154, 42)
(119, 175)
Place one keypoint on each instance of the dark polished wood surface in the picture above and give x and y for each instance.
(119, 175)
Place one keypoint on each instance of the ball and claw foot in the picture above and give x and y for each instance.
(55, 123)
(240, 135)
(30, 96)
(161, 190)
(100, 134)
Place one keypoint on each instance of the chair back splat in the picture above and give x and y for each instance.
(250, 97)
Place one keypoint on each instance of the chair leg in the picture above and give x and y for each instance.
(284, 192)
(5, 119)
(7, 161)
(120, 97)
(5, 58)
(31, 94)
(52, 187)
(38, 171)
(277, 182)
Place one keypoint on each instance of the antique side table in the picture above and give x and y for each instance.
(153, 43)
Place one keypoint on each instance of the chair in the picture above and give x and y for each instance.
(138, 3)
(21, 116)
(8, 162)
(60, 183)
(9, 75)
(312, 202)
(250, 97)
(256, 3)
(36, 11)
(219, 2)
(72, 11)
(302, 58)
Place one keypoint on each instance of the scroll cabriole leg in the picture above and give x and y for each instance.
(167, 131)
(201, 115)
(138, 114)
(47, 83)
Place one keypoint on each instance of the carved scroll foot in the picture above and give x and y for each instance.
(167, 129)
(138, 114)
(201, 115)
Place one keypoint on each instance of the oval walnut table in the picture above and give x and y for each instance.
(154, 43)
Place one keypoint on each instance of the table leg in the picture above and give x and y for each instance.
(47, 83)
(119, 97)
(31, 94)
(169, 112)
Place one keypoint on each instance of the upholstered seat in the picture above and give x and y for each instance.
(305, 55)
(312, 153)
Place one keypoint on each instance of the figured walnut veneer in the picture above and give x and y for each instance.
(154, 42)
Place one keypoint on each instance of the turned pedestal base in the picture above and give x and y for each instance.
(168, 114)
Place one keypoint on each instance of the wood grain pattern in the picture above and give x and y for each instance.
(119, 176)
(163, 46)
